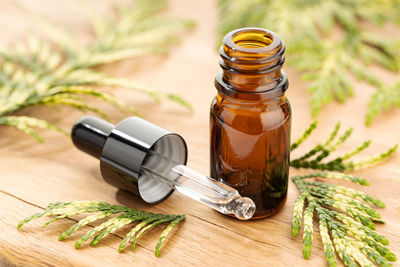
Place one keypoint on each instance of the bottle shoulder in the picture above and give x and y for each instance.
(239, 106)
(259, 116)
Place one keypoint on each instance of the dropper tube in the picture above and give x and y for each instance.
(201, 188)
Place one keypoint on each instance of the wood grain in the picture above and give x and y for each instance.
(32, 175)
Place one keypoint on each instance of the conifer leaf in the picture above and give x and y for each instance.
(347, 217)
(314, 158)
(385, 98)
(60, 72)
(346, 222)
(26, 124)
(124, 217)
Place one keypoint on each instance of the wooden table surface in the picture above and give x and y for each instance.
(32, 174)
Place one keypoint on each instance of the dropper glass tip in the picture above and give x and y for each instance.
(244, 208)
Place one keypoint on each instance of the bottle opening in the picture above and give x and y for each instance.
(252, 39)
(252, 44)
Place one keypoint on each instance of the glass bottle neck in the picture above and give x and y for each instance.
(251, 62)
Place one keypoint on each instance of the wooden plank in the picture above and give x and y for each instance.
(32, 175)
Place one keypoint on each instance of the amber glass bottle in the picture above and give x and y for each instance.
(250, 119)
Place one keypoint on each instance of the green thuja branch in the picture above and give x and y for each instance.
(346, 221)
(38, 72)
(327, 59)
(124, 216)
(346, 216)
(384, 99)
(313, 159)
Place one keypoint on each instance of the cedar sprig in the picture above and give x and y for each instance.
(60, 72)
(385, 98)
(124, 216)
(346, 216)
(326, 57)
(346, 221)
(313, 159)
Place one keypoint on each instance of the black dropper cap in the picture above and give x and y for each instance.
(125, 147)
